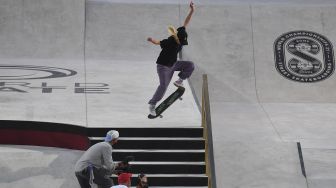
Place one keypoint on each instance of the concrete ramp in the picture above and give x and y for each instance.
(82, 63)
(92, 67)
(259, 114)
(42, 29)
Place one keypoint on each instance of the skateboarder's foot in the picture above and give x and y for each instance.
(178, 83)
(152, 110)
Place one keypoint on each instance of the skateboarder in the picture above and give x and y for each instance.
(167, 61)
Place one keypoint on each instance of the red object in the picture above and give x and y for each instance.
(124, 178)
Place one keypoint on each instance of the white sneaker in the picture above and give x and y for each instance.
(178, 83)
(152, 110)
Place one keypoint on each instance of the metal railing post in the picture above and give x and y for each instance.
(207, 134)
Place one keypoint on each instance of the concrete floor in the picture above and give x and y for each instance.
(33, 166)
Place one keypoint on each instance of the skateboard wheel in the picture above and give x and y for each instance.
(181, 98)
(161, 116)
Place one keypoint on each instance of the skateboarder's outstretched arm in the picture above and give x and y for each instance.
(156, 42)
(187, 20)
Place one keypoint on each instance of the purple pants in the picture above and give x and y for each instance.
(165, 75)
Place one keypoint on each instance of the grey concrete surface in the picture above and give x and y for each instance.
(266, 20)
(253, 107)
(258, 116)
(33, 166)
(112, 32)
(119, 69)
(116, 94)
(320, 167)
(42, 29)
(249, 151)
(131, 85)
(25, 100)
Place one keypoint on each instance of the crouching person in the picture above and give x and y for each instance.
(96, 164)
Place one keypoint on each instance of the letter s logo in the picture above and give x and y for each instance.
(304, 56)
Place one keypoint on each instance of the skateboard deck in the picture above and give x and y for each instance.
(167, 102)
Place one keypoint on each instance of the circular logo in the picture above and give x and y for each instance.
(29, 72)
(304, 56)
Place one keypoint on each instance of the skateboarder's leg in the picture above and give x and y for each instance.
(186, 68)
(165, 76)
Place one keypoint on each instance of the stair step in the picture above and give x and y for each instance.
(160, 155)
(150, 131)
(172, 180)
(178, 187)
(166, 163)
(168, 167)
(150, 138)
(170, 157)
(161, 143)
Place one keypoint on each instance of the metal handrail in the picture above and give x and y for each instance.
(207, 134)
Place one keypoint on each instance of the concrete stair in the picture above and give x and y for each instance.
(170, 157)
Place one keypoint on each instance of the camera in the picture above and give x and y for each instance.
(124, 166)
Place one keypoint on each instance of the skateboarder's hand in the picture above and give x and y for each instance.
(192, 7)
(150, 39)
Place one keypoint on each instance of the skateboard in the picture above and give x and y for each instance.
(167, 102)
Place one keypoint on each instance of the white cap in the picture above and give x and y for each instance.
(111, 135)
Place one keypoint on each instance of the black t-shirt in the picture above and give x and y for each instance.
(168, 54)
